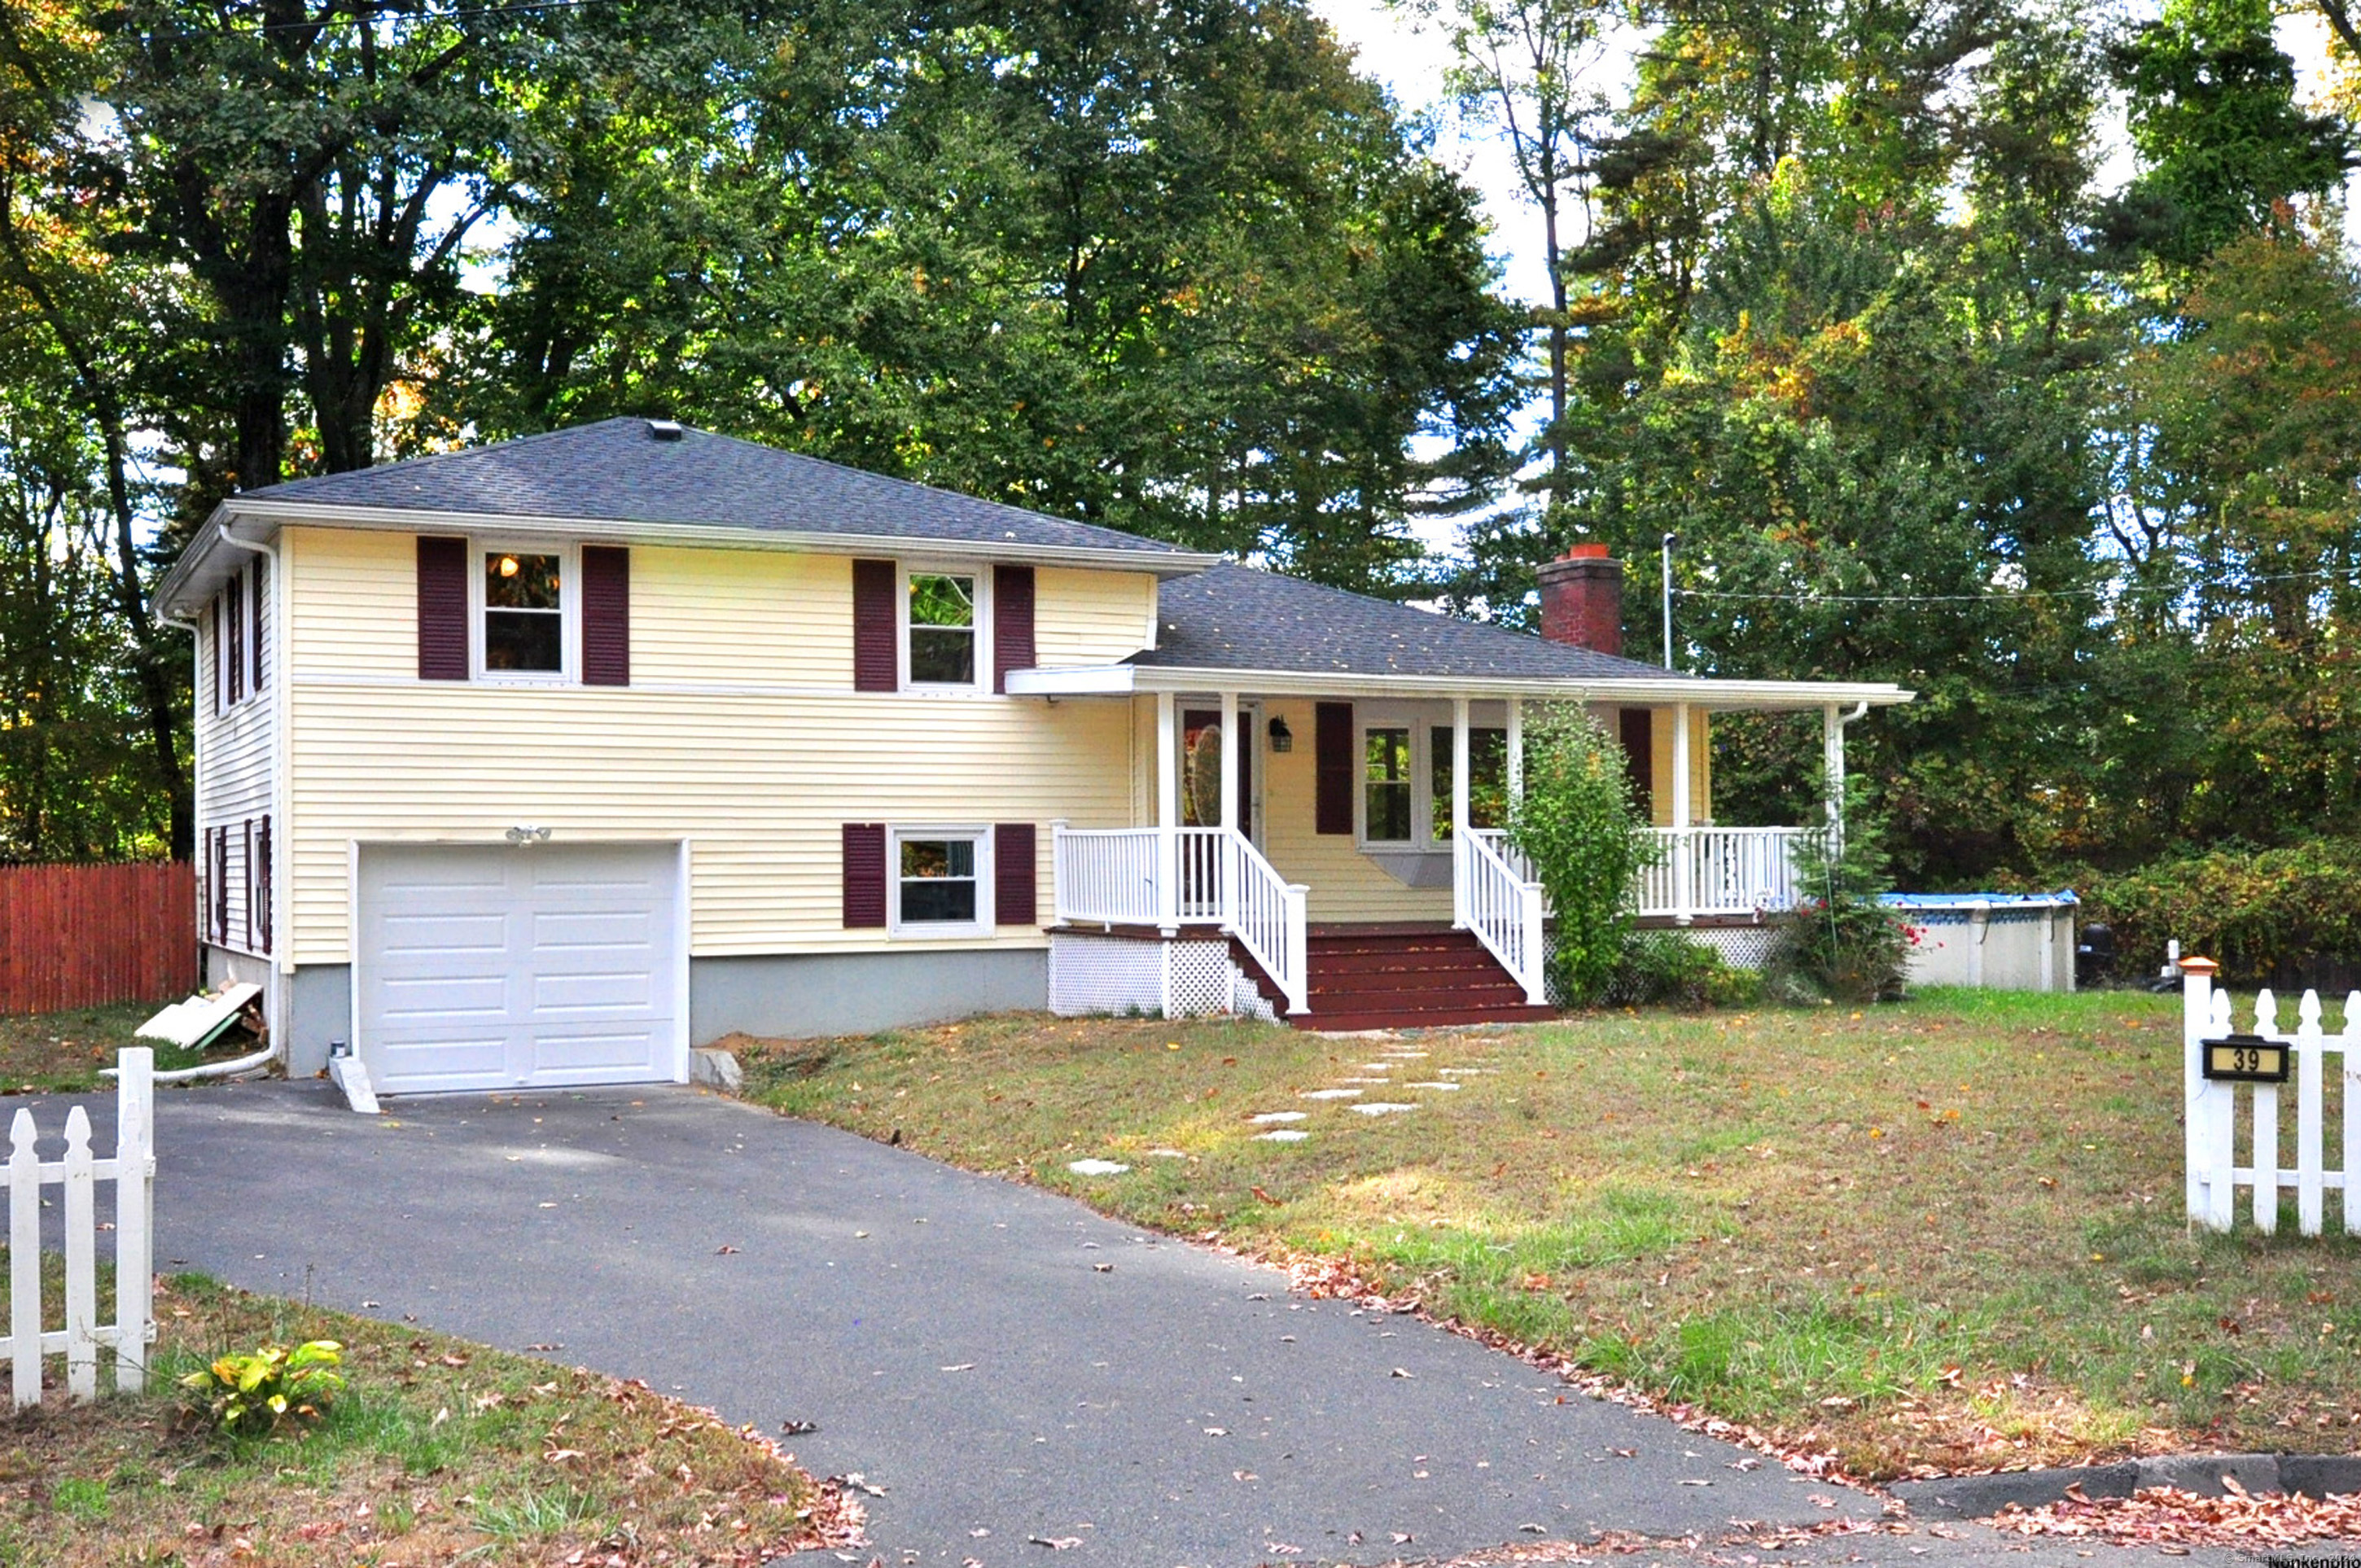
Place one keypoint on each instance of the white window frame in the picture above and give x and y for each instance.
(569, 611)
(1422, 815)
(981, 574)
(982, 926)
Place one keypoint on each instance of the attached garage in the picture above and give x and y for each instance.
(495, 966)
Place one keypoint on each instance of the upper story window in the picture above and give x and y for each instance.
(942, 628)
(238, 620)
(525, 613)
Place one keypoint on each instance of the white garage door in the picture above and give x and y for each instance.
(496, 968)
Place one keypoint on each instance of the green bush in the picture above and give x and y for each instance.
(1578, 826)
(1838, 943)
(2245, 908)
(248, 1394)
(1666, 968)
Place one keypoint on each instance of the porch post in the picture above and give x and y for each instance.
(1516, 748)
(1460, 825)
(1168, 814)
(1684, 870)
(1227, 857)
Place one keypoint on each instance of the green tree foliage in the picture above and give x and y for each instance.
(1578, 826)
(1839, 943)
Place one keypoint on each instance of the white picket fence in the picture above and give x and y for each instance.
(2212, 1121)
(77, 1175)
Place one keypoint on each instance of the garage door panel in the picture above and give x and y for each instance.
(491, 967)
(567, 1057)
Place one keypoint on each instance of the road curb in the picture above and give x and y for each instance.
(1976, 1496)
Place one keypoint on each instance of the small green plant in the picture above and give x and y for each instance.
(1839, 943)
(81, 1496)
(248, 1395)
(1666, 968)
(1578, 826)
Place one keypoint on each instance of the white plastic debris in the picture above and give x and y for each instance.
(1096, 1168)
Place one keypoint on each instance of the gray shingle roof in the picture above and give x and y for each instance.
(1237, 617)
(615, 470)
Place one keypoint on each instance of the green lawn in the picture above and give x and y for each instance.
(61, 1053)
(1941, 1235)
(437, 1452)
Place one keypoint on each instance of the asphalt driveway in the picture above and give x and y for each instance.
(1010, 1368)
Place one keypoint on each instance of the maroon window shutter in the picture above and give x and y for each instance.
(1015, 901)
(246, 853)
(262, 882)
(864, 874)
(442, 608)
(1331, 744)
(221, 672)
(1636, 729)
(877, 629)
(234, 617)
(254, 630)
(221, 884)
(606, 616)
(1012, 624)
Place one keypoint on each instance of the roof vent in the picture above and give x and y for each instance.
(664, 430)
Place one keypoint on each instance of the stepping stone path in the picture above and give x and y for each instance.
(1368, 1074)
(1096, 1168)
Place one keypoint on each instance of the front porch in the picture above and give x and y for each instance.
(1333, 890)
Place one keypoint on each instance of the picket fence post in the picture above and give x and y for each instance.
(78, 1174)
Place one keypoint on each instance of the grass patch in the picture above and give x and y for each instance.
(61, 1053)
(437, 1451)
(1940, 1234)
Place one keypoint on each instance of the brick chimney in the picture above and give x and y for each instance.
(1582, 599)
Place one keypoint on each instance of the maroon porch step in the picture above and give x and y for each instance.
(1395, 977)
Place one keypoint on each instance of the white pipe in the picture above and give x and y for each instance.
(231, 1069)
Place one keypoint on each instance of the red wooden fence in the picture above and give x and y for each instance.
(79, 936)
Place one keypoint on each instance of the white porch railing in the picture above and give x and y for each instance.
(1502, 906)
(1722, 870)
(1168, 876)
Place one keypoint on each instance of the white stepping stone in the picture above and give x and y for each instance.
(1377, 1080)
(1464, 1072)
(1381, 1108)
(1177, 1153)
(1270, 1117)
(1433, 1083)
(1328, 1095)
(1096, 1168)
(1284, 1136)
(1375, 1067)
(1403, 1056)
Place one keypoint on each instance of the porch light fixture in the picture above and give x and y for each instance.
(524, 834)
(1282, 738)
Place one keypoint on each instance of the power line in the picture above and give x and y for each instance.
(2343, 574)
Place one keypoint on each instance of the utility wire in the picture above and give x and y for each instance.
(2345, 574)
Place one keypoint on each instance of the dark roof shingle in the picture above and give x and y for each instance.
(617, 470)
(1237, 618)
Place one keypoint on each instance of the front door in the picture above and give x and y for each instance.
(1200, 770)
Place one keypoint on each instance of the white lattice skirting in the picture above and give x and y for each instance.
(1187, 978)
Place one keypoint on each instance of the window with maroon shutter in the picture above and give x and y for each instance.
(606, 616)
(220, 921)
(1636, 729)
(234, 617)
(256, 618)
(442, 608)
(864, 874)
(262, 882)
(221, 675)
(245, 859)
(877, 630)
(1015, 901)
(1332, 771)
(1012, 623)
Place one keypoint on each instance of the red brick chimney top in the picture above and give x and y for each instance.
(1582, 599)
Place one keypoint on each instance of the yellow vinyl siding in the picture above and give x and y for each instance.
(1659, 766)
(755, 617)
(352, 607)
(1084, 618)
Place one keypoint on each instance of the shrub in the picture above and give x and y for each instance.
(1577, 825)
(1666, 968)
(1838, 943)
(2246, 909)
(248, 1395)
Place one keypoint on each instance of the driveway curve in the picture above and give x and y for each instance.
(1011, 1368)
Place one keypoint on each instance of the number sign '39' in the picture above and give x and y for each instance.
(2244, 1058)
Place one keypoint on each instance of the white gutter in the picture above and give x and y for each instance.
(273, 1014)
(1118, 680)
(624, 530)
